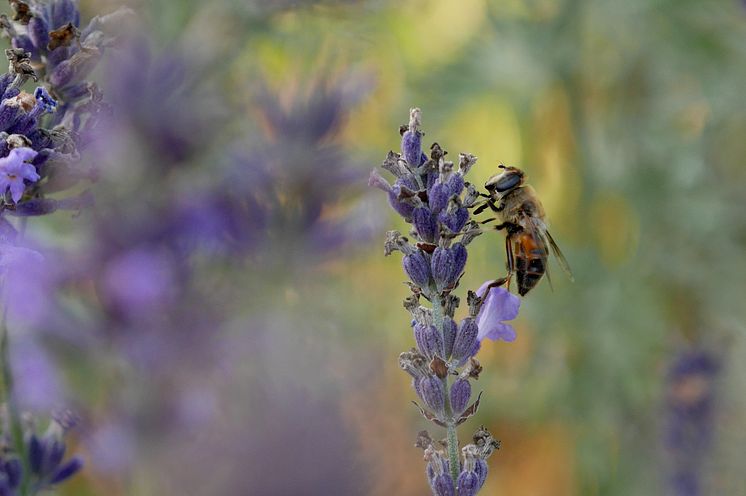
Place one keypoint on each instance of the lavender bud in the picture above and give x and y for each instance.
(378, 181)
(449, 336)
(63, 11)
(437, 472)
(432, 392)
(36, 207)
(441, 264)
(442, 485)
(425, 223)
(447, 265)
(460, 396)
(411, 140)
(481, 469)
(38, 32)
(468, 483)
(438, 197)
(417, 268)
(403, 208)
(13, 472)
(429, 340)
(455, 184)
(466, 340)
(459, 261)
(24, 42)
(8, 114)
(62, 74)
(411, 147)
(454, 218)
(67, 470)
(35, 454)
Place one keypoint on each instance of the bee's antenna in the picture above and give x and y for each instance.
(501, 166)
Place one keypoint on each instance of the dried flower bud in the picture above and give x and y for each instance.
(470, 232)
(450, 304)
(460, 396)
(395, 241)
(486, 443)
(472, 370)
(465, 162)
(425, 224)
(472, 195)
(466, 343)
(429, 340)
(414, 363)
(424, 441)
(395, 165)
(21, 11)
(62, 36)
(432, 392)
(417, 267)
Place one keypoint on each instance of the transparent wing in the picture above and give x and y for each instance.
(558, 254)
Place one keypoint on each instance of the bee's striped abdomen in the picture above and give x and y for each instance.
(530, 261)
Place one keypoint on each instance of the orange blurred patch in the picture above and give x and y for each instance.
(386, 437)
(532, 461)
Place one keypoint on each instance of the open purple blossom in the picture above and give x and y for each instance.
(14, 170)
(498, 305)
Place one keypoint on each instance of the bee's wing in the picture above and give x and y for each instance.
(558, 254)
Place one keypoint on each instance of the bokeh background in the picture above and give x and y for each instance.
(231, 326)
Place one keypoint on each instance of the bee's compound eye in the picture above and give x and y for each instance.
(505, 182)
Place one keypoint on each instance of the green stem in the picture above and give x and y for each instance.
(452, 435)
(453, 452)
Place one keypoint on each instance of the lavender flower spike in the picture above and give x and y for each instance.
(14, 170)
(428, 194)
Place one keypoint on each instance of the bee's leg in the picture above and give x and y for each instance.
(481, 208)
(494, 284)
(487, 221)
(511, 261)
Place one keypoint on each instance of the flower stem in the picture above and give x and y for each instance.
(453, 452)
(452, 435)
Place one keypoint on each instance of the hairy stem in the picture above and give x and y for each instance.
(452, 435)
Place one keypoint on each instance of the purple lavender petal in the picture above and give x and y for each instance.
(499, 305)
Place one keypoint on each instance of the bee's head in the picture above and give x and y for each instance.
(507, 179)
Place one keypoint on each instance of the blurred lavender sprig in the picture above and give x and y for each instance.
(40, 143)
(40, 464)
(432, 195)
(688, 424)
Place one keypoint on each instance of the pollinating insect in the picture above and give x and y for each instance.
(527, 240)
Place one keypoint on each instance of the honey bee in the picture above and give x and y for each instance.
(527, 240)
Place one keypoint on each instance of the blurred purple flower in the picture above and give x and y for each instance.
(139, 281)
(498, 305)
(14, 170)
(689, 419)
